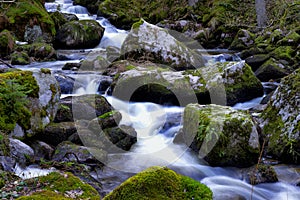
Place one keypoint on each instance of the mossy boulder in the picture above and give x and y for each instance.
(55, 133)
(20, 58)
(42, 52)
(7, 43)
(285, 53)
(60, 186)
(220, 135)
(31, 16)
(271, 69)
(160, 183)
(86, 107)
(223, 83)
(282, 122)
(255, 61)
(149, 42)
(79, 35)
(243, 40)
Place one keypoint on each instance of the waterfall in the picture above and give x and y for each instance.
(261, 13)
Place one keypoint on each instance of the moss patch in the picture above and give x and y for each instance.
(160, 183)
(15, 87)
(62, 186)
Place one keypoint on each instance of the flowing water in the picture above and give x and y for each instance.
(156, 127)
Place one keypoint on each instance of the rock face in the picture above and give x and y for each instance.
(221, 135)
(223, 83)
(160, 183)
(149, 42)
(282, 120)
(79, 34)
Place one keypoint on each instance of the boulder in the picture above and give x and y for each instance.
(79, 35)
(42, 52)
(7, 43)
(55, 133)
(21, 152)
(85, 107)
(281, 126)
(223, 83)
(19, 58)
(41, 150)
(67, 151)
(243, 40)
(271, 70)
(149, 42)
(66, 83)
(220, 135)
(257, 60)
(160, 183)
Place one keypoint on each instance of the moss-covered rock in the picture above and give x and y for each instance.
(7, 43)
(221, 135)
(223, 83)
(282, 121)
(29, 14)
(243, 40)
(255, 61)
(284, 53)
(20, 58)
(160, 183)
(260, 173)
(60, 186)
(42, 52)
(271, 69)
(79, 34)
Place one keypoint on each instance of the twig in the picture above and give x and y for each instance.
(10, 66)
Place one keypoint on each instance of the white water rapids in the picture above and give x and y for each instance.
(155, 143)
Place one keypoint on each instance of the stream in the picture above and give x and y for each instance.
(156, 127)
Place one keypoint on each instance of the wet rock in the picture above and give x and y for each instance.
(64, 113)
(220, 135)
(222, 83)
(20, 151)
(282, 120)
(256, 61)
(56, 133)
(71, 66)
(66, 83)
(79, 35)
(68, 151)
(42, 150)
(7, 163)
(20, 58)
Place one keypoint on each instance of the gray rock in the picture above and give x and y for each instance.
(20, 151)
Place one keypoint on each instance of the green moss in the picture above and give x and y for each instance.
(6, 43)
(283, 52)
(45, 195)
(136, 25)
(20, 58)
(15, 87)
(4, 144)
(45, 71)
(160, 183)
(108, 114)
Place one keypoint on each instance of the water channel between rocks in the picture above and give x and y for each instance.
(155, 140)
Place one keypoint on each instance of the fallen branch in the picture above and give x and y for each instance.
(8, 65)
